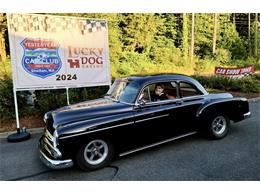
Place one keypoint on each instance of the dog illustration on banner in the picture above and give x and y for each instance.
(41, 57)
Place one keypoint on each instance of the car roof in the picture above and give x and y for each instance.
(143, 80)
(159, 77)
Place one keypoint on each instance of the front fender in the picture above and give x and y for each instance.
(94, 125)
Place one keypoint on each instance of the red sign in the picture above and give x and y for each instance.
(234, 71)
(36, 44)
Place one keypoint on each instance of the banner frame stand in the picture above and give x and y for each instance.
(19, 135)
(68, 97)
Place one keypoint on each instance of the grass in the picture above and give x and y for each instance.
(5, 68)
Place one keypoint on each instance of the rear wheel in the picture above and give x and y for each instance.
(96, 154)
(218, 126)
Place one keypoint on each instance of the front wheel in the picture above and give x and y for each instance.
(218, 126)
(95, 154)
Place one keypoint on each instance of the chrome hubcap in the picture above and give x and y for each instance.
(219, 125)
(96, 152)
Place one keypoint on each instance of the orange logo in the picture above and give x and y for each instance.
(85, 57)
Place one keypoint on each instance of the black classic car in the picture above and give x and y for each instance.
(136, 113)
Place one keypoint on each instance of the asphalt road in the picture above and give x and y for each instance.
(236, 157)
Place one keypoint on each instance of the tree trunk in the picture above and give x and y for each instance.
(2, 47)
(192, 36)
(185, 38)
(215, 33)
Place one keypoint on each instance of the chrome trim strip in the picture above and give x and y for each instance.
(55, 164)
(195, 97)
(149, 94)
(173, 100)
(138, 121)
(101, 129)
(247, 115)
(158, 143)
(161, 102)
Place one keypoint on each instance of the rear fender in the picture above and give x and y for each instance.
(234, 108)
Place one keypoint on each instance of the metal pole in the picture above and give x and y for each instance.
(19, 135)
(68, 98)
(24, 134)
(16, 111)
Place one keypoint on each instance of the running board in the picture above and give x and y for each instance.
(158, 143)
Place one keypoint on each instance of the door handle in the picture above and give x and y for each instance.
(178, 102)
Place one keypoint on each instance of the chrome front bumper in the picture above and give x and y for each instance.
(51, 155)
(247, 115)
(55, 164)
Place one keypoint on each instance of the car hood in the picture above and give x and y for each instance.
(86, 110)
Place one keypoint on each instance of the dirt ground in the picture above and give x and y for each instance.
(27, 121)
(37, 121)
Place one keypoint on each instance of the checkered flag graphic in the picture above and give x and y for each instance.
(31, 23)
(246, 74)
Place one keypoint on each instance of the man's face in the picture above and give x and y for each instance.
(158, 90)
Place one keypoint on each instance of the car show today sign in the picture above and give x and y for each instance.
(50, 51)
(235, 72)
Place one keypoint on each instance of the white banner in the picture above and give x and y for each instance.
(50, 51)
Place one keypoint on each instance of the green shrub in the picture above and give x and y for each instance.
(245, 63)
(87, 93)
(256, 76)
(7, 108)
(47, 100)
(5, 69)
(166, 55)
(205, 66)
(223, 55)
(246, 84)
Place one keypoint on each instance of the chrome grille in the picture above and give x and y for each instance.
(49, 123)
(48, 135)
(48, 144)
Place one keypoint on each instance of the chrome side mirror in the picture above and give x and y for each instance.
(141, 102)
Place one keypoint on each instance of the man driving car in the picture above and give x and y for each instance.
(158, 93)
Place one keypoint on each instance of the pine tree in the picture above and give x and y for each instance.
(3, 28)
(185, 36)
(138, 31)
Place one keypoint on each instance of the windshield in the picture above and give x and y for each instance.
(123, 90)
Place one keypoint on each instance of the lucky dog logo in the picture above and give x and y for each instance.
(41, 57)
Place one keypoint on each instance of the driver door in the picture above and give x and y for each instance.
(155, 121)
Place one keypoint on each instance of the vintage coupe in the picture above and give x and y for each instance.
(127, 119)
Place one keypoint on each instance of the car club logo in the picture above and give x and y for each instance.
(41, 57)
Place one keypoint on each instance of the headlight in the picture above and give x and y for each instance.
(55, 138)
(45, 118)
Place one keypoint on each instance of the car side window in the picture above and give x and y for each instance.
(144, 96)
(172, 91)
(187, 90)
(163, 91)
